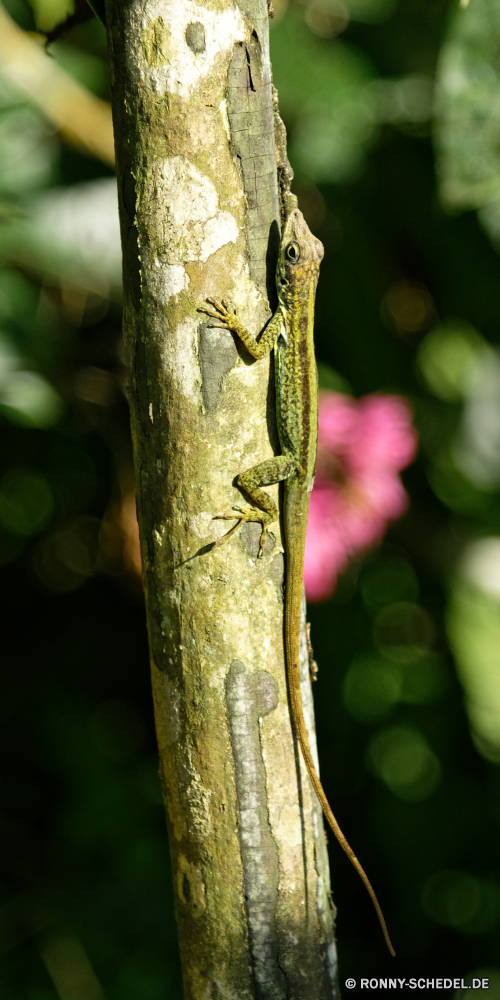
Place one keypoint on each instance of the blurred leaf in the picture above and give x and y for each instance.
(454, 489)
(82, 118)
(332, 100)
(468, 107)
(477, 448)
(473, 624)
(371, 11)
(99, 9)
(70, 236)
(84, 853)
(321, 86)
(26, 150)
(48, 13)
(90, 70)
(407, 99)
(69, 968)
(28, 399)
(330, 379)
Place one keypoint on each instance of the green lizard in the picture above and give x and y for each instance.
(290, 333)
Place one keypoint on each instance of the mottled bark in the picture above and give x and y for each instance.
(198, 159)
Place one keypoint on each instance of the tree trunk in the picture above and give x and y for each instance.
(201, 204)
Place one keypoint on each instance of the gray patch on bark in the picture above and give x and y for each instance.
(250, 536)
(249, 107)
(195, 36)
(250, 696)
(305, 686)
(324, 905)
(218, 355)
(277, 571)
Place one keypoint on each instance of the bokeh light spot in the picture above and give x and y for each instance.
(451, 897)
(26, 502)
(454, 489)
(424, 681)
(390, 579)
(447, 358)
(409, 307)
(403, 631)
(456, 899)
(326, 18)
(68, 557)
(402, 758)
(371, 688)
(493, 977)
(27, 398)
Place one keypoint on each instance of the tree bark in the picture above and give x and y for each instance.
(203, 185)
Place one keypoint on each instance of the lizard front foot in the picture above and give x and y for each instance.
(222, 311)
(244, 516)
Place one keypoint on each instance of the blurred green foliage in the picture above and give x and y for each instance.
(467, 130)
(391, 109)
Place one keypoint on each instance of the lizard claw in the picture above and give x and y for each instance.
(210, 312)
(243, 517)
(215, 303)
(228, 517)
(221, 310)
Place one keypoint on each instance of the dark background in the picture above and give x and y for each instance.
(85, 882)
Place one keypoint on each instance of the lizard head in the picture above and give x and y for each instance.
(300, 253)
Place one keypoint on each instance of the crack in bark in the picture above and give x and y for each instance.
(251, 121)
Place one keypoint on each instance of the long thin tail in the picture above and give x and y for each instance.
(298, 717)
(293, 602)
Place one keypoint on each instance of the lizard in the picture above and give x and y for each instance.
(290, 333)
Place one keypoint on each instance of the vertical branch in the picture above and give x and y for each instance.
(200, 216)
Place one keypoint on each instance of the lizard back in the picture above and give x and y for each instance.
(295, 363)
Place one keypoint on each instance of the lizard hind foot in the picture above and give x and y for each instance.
(243, 517)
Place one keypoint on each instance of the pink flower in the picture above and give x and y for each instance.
(362, 446)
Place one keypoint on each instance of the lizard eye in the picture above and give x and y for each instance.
(293, 252)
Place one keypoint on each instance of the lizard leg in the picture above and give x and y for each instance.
(263, 509)
(226, 316)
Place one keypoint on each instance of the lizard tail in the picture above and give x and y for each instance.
(293, 600)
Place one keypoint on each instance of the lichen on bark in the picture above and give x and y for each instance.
(200, 210)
